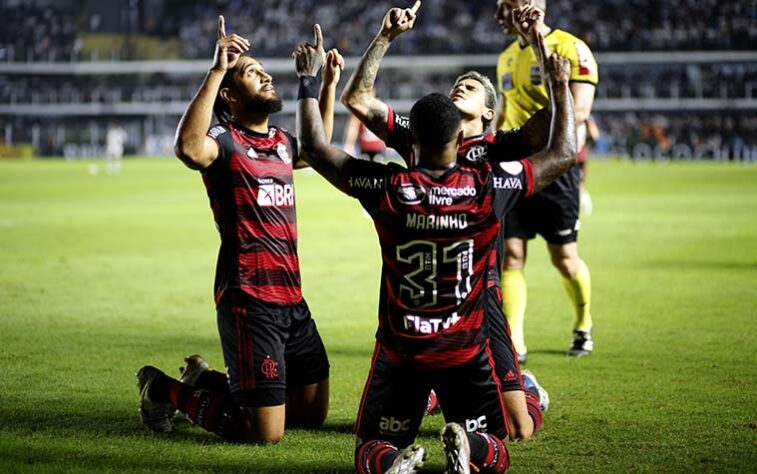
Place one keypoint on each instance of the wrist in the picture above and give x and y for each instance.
(382, 37)
(309, 87)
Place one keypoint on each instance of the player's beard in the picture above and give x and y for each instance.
(266, 105)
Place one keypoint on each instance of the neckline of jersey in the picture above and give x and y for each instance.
(442, 176)
(252, 133)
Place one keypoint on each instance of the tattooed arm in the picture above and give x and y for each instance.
(560, 154)
(359, 95)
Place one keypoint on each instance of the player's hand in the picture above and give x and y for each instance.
(398, 20)
(558, 69)
(528, 20)
(228, 48)
(332, 68)
(308, 58)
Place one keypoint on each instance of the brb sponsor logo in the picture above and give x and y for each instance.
(393, 425)
(476, 424)
(276, 195)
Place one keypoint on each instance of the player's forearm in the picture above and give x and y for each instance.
(312, 141)
(560, 154)
(326, 106)
(195, 122)
(359, 92)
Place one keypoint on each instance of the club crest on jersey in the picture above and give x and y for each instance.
(411, 194)
(507, 81)
(535, 75)
(476, 153)
(281, 150)
(251, 153)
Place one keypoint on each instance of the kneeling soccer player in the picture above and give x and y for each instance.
(277, 365)
(437, 224)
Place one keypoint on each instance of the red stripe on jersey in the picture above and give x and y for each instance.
(251, 229)
(529, 177)
(390, 120)
(274, 293)
(446, 359)
(268, 261)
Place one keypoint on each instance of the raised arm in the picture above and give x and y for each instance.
(314, 147)
(332, 70)
(359, 94)
(561, 149)
(560, 154)
(191, 144)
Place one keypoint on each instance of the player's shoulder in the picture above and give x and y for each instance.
(566, 43)
(217, 130)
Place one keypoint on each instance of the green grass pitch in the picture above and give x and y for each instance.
(102, 274)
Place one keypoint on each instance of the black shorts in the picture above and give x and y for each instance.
(503, 351)
(396, 393)
(268, 348)
(551, 213)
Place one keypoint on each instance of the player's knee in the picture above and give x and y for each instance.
(263, 435)
(565, 266)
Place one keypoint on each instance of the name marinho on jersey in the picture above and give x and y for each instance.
(456, 221)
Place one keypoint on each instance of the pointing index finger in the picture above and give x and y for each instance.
(416, 6)
(221, 27)
(318, 36)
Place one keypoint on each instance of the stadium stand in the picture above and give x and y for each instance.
(682, 101)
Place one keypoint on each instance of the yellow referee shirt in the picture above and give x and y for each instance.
(519, 75)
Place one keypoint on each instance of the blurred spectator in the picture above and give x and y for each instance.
(47, 30)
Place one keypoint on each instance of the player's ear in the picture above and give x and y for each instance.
(489, 115)
(226, 95)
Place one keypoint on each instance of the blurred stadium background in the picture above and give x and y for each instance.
(678, 79)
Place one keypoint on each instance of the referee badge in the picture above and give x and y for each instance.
(535, 75)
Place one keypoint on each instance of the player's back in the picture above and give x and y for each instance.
(438, 243)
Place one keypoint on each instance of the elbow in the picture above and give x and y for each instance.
(186, 156)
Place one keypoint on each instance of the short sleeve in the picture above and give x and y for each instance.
(222, 136)
(583, 65)
(399, 136)
(511, 182)
(366, 181)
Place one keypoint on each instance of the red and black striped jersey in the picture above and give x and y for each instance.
(438, 242)
(491, 147)
(251, 192)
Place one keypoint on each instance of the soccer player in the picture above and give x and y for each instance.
(553, 213)
(437, 224)
(476, 97)
(276, 362)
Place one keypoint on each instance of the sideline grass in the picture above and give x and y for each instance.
(100, 275)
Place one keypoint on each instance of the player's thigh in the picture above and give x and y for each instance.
(393, 401)
(558, 217)
(264, 424)
(253, 338)
(502, 350)
(470, 395)
(307, 369)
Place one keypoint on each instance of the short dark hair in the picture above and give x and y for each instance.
(221, 108)
(435, 121)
